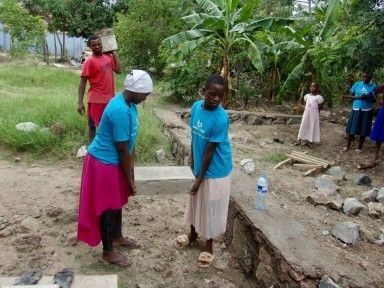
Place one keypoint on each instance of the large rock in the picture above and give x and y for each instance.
(234, 117)
(160, 156)
(380, 196)
(348, 232)
(363, 180)
(248, 166)
(369, 196)
(327, 282)
(326, 184)
(375, 210)
(30, 224)
(254, 120)
(337, 172)
(334, 202)
(352, 206)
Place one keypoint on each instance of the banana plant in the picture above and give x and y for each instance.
(223, 24)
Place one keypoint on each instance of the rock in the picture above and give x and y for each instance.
(375, 210)
(327, 282)
(380, 241)
(235, 117)
(160, 156)
(26, 127)
(326, 184)
(293, 121)
(279, 121)
(254, 120)
(337, 172)
(369, 196)
(268, 121)
(30, 224)
(81, 152)
(17, 159)
(380, 196)
(53, 211)
(27, 243)
(72, 239)
(248, 166)
(352, 206)
(5, 232)
(348, 232)
(363, 180)
(334, 202)
(325, 114)
(58, 129)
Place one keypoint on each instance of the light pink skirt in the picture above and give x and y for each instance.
(207, 211)
(103, 187)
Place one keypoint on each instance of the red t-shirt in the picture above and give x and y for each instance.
(99, 72)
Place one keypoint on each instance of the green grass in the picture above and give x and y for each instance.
(274, 158)
(47, 96)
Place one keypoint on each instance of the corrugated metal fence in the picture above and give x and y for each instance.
(74, 46)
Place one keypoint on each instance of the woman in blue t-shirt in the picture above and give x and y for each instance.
(360, 119)
(207, 203)
(108, 178)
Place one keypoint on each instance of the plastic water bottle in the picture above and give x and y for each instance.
(261, 193)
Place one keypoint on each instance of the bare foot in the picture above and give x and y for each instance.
(127, 242)
(115, 258)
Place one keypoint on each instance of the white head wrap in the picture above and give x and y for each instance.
(138, 81)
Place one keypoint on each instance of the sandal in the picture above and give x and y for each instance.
(30, 278)
(128, 242)
(205, 259)
(119, 260)
(182, 241)
(64, 278)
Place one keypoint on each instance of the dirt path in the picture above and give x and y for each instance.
(38, 223)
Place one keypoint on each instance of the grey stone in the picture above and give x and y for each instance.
(160, 156)
(369, 196)
(53, 211)
(235, 117)
(337, 172)
(81, 152)
(30, 224)
(254, 120)
(27, 243)
(293, 121)
(326, 184)
(17, 159)
(375, 210)
(363, 180)
(268, 121)
(325, 114)
(248, 166)
(347, 232)
(334, 202)
(327, 282)
(280, 121)
(352, 206)
(380, 196)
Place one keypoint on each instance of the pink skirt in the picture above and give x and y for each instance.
(103, 187)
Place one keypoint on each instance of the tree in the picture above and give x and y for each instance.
(27, 31)
(141, 30)
(224, 24)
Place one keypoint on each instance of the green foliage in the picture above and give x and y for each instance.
(26, 30)
(141, 30)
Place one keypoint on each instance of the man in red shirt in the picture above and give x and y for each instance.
(98, 71)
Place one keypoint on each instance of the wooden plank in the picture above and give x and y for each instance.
(311, 158)
(286, 161)
(305, 160)
(307, 166)
(313, 172)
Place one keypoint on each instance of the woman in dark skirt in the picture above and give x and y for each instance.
(360, 119)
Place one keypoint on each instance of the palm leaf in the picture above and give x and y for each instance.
(254, 54)
(210, 7)
(193, 19)
(184, 36)
(268, 23)
(295, 74)
(187, 47)
(330, 16)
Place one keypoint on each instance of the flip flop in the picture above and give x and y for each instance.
(182, 241)
(64, 278)
(205, 259)
(134, 244)
(29, 278)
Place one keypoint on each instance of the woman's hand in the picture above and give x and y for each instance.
(196, 186)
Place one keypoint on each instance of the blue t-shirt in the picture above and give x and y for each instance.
(211, 126)
(119, 123)
(360, 88)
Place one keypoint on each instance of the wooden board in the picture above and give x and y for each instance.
(286, 161)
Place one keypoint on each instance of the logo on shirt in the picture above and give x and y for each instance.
(199, 124)
(198, 129)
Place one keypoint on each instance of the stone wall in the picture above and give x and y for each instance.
(259, 260)
(254, 118)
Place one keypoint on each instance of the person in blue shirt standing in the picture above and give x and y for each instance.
(211, 153)
(108, 177)
(360, 119)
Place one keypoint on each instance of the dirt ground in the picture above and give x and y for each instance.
(40, 200)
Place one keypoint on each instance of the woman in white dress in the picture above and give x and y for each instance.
(310, 123)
